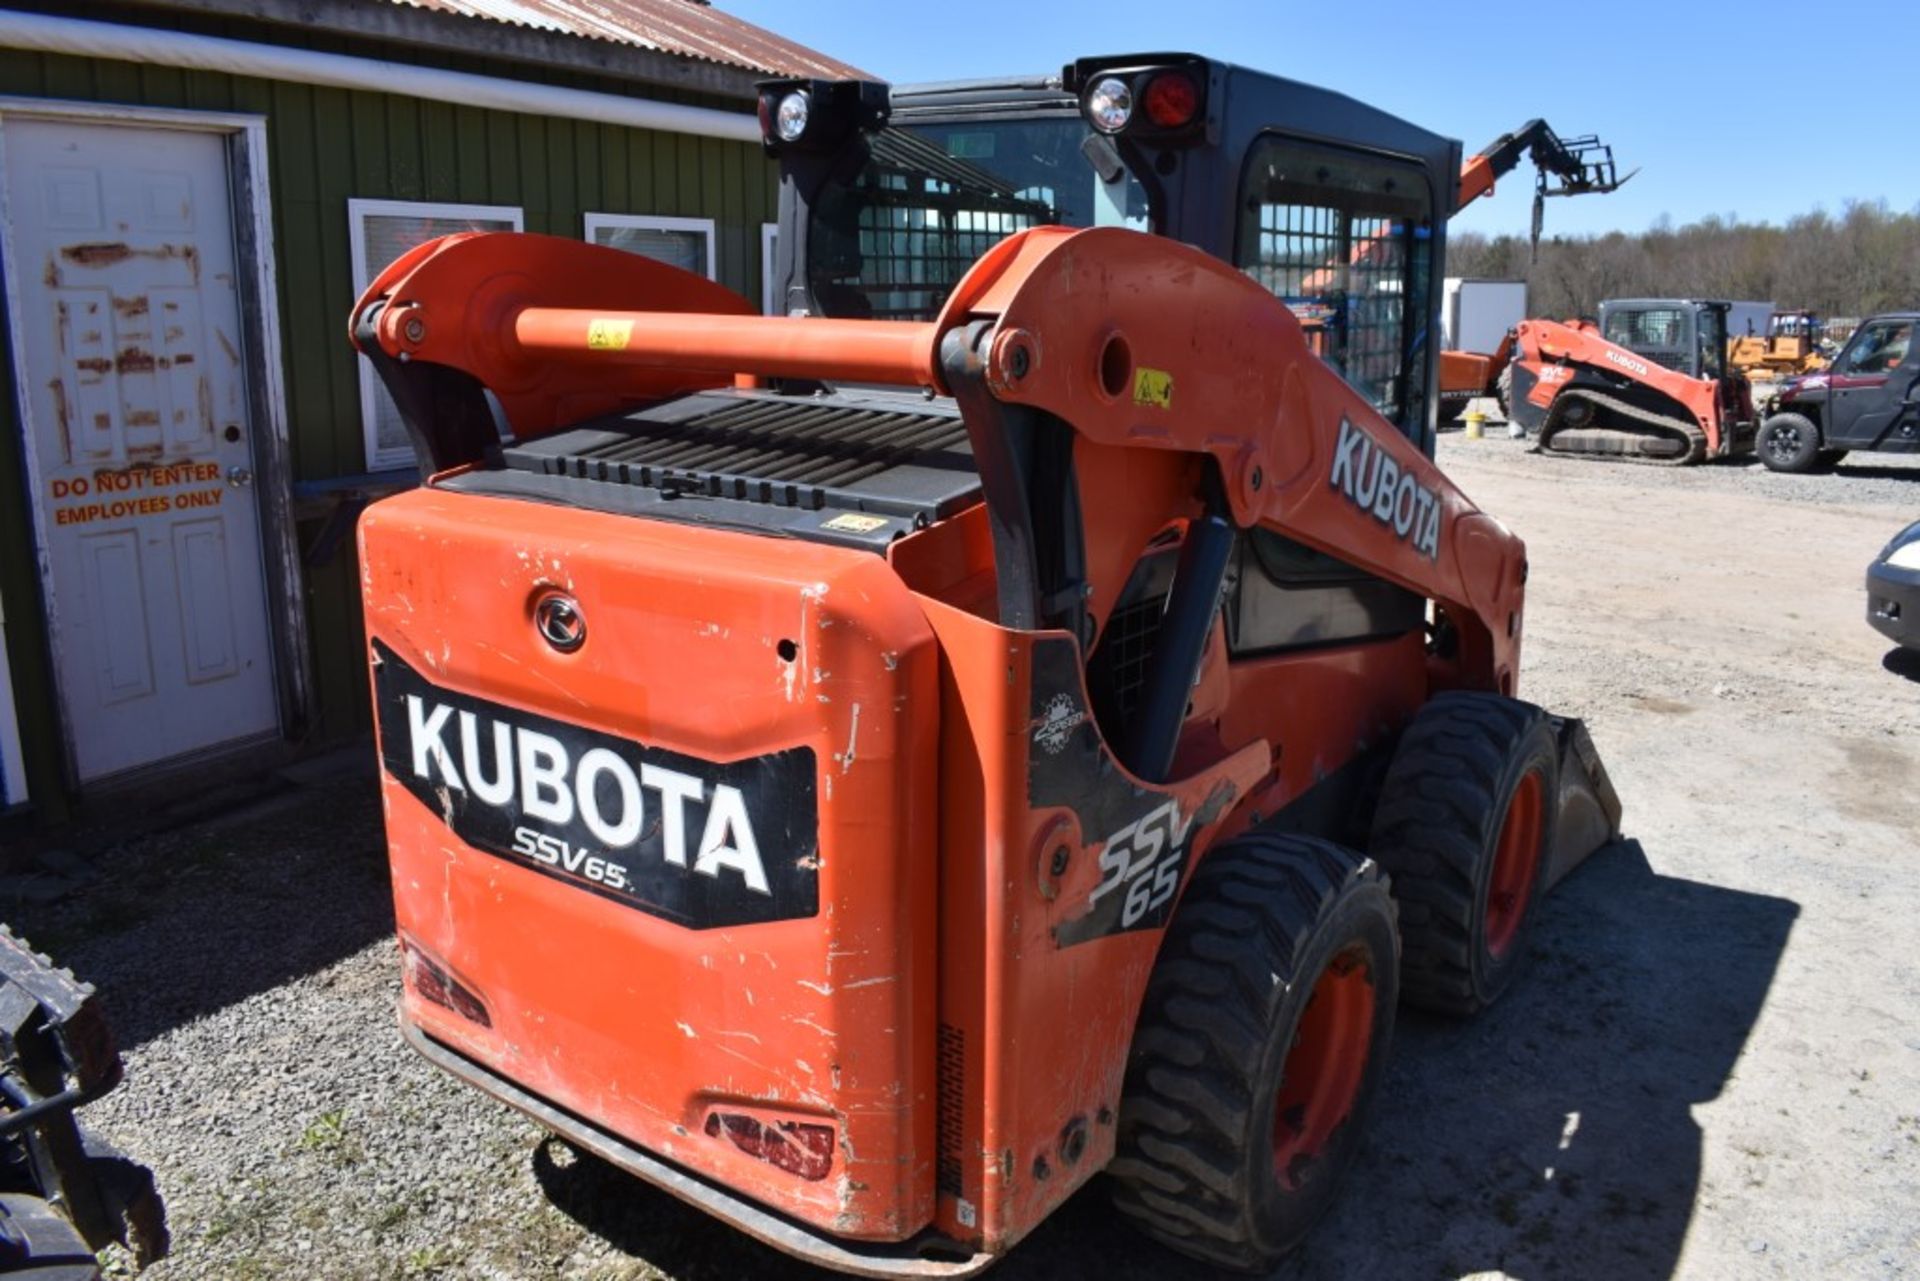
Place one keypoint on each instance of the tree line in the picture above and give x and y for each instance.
(1864, 260)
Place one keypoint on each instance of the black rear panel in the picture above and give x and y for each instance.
(854, 466)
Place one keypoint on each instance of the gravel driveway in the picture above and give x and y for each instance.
(1712, 1068)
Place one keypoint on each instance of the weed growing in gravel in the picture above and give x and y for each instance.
(392, 1214)
(327, 1134)
(431, 1260)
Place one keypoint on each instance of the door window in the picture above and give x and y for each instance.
(1346, 241)
(1713, 343)
(1877, 348)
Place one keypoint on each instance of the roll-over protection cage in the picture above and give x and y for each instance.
(1338, 207)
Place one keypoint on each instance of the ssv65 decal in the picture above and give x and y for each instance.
(1144, 838)
(701, 844)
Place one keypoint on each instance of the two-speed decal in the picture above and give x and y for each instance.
(699, 843)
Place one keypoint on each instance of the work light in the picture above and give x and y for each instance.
(791, 120)
(1110, 104)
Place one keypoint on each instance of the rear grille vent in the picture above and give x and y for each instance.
(951, 1109)
(893, 454)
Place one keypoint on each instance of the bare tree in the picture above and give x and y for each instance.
(1865, 260)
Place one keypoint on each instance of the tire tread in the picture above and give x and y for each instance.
(1243, 928)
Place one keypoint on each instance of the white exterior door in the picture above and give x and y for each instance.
(120, 247)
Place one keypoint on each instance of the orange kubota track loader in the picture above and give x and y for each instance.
(868, 776)
(1649, 383)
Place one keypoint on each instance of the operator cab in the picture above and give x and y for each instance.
(888, 196)
(1686, 335)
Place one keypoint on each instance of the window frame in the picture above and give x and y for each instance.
(769, 233)
(1634, 334)
(1847, 362)
(707, 227)
(358, 211)
(1417, 281)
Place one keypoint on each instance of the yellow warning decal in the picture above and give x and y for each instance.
(854, 523)
(609, 335)
(1153, 387)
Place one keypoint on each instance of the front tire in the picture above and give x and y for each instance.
(1463, 827)
(1788, 443)
(1261, 1044)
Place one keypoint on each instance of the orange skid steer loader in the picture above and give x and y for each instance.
(868, 776)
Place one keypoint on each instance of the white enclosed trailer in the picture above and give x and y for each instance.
(1476, 314)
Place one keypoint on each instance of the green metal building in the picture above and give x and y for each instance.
(191, 196)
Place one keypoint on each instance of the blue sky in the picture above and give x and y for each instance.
(1703, 107)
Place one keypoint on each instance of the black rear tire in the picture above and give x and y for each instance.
(1463, 827)
(1261, 1044)
(1788, 443)
(1503, 392)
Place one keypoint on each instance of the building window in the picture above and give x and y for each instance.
(686, 243)
(769, 242)
(382, 230)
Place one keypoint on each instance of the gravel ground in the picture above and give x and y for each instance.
(1711, 1070)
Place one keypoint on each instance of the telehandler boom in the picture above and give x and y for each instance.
(1562, 167)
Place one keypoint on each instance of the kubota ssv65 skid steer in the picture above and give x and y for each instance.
(1020, 713)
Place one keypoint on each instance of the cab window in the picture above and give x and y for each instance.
(890, 237)
(1346, 241)
(1878, 348)
(1655, 329)
(1713, 344)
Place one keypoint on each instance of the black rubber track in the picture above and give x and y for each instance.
(1441, 809)
(1194, 1159)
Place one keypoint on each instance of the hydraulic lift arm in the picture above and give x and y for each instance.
(1128, 341)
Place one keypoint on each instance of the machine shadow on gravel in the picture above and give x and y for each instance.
(178, 925)
(1902, 661)
(1552, 1137)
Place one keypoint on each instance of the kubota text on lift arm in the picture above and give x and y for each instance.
(1113, 337)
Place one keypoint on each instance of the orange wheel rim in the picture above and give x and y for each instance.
(1321, 1076)
(1516, 861)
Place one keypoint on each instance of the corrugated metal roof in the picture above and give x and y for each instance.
(686, 28)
